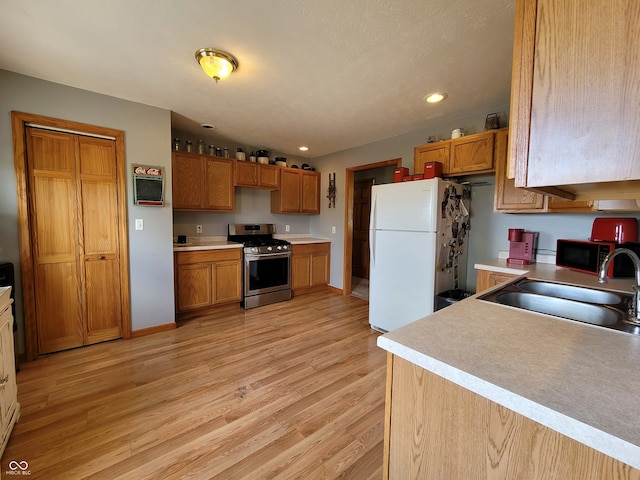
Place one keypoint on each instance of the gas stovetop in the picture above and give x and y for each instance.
(257, 238)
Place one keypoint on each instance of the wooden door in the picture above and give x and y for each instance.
(74, 239)
(246, 174)
(55, 240)
(361, 213)
(472, 154)
(432, 152)
(227, 283)
(98, 219)
(194, 286)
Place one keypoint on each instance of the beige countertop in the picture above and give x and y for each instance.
(205, 245)
(218, 242)
(578, 379)
(301, 239)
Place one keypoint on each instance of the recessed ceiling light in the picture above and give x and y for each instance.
(303, 148)
(435, 97)
(208, 126)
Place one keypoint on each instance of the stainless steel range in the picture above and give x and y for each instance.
(267, 264)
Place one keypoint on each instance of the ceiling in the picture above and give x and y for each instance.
(329, 74)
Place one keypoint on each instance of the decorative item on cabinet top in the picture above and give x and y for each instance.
(331, 191)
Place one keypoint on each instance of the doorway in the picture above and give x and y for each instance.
(72, 213)
(357, 206)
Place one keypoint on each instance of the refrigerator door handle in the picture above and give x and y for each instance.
(372, 231)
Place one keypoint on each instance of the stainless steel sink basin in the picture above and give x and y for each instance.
(561, 307)
(571, 292)
(589, 305)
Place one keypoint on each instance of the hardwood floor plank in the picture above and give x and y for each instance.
(284, 391)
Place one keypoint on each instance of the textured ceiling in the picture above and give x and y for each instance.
(330, 74)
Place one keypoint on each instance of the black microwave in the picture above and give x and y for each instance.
(587, 257)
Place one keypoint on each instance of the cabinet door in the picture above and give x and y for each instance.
(472, 154)
(188, 180)
(8, 388)
(310, 201)
(269, 176)
(433, 152)
(194, 286)
(557, 205)
(246, 174)
(319, 269)
(300, 271)
(219, 191)
(227, 281)
(573, 66)
(290, 191)
(509, 198)
(486, 279)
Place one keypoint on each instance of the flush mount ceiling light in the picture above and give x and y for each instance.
(216, 63)
(435, 97)
(303, 148)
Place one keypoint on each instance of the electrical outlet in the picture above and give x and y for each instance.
(198, 228)
(333, 229)
(287, 228)
(139, 224)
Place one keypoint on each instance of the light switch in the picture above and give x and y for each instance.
(287, 228)
(139, 224)
(333, 229)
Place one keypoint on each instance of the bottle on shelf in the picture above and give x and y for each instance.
(240, 154)
(188, 147)
(200, 147)
(176, 144)
(226, 152)
(212, 150)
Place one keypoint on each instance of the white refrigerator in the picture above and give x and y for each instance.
(417, 239)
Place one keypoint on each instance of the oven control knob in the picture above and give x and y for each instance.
(285, 247)
(279, 247)
(269, 249)
(254, 249)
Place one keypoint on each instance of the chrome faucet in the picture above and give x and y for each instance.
(634, 314)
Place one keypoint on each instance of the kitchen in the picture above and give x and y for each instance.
(148, 137)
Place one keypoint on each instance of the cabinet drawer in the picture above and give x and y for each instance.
(308, 248)
(202, 256)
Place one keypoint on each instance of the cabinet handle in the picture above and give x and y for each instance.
(4, 380)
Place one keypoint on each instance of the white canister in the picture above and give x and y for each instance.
(457, 133)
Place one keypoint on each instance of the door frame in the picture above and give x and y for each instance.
(348, 216)
(19, 120)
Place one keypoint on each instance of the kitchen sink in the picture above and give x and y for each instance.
(589, 305)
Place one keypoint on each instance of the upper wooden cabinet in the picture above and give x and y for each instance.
(299, 192)
(466, 155)
(256, 175)
(202, 182)
(574, 99)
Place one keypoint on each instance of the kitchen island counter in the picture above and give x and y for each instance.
(577, 379)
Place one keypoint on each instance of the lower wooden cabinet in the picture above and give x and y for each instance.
(485, 279)
(310, 267)
(207, 278)
(437, 429)
(9, 406)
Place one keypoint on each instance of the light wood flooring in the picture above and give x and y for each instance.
(286, 391)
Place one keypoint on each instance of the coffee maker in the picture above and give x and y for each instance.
(522, 246)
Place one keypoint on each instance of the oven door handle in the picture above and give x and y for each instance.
(252, 256)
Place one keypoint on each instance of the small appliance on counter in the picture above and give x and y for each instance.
(617, 230)
(522, 246)
(607, 234)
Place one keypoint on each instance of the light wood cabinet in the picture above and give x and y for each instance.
(437, 429)
(485, 279)
(202, 182)
(574, 106)
(299, 192)
(310, 266)
(256, 175)
(9, 406)
(471, 154)
(206, 278)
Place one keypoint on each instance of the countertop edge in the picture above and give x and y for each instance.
(603, 442)
(210, 246)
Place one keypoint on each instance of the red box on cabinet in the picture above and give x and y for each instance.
(432, 169)
(398, 173)
(418, 176)
(407, 178)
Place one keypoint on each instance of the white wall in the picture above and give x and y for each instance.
(147, 141)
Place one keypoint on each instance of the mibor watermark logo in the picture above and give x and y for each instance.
(18, 467)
